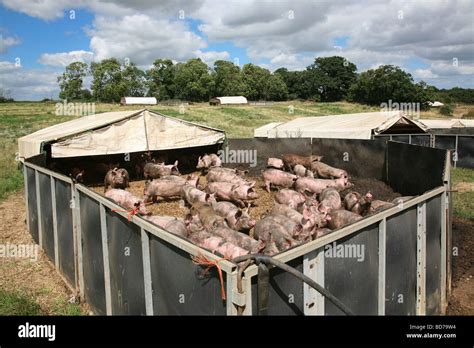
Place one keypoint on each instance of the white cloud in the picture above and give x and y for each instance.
(28, 84)
(211, 56)
(7, 42)
(63, 59)
(142, 39)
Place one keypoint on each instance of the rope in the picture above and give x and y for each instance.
(204, 261)
(130, 213)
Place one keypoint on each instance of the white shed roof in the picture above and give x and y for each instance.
(118, 132)
(348, 126)
(450, 123)
(139, 100)
(232, 100)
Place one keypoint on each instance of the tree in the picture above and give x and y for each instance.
(193, 81)
(330, 78)
(70, 82)
(106, 76)
(132, 83)
(227, 79)
(276, 88)
(160, 79)
(387, 82)
(255, 80)
(293, 82)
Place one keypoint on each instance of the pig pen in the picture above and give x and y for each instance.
(134, 267)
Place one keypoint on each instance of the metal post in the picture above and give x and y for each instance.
(443, 265)
(75, 205)
(409, 138)
(55, 222)
(421, 259)
(457, 153)
(382, 265)
(105, 254)
(147, 271)
(25, 179)
(38, 207)
(309, 294)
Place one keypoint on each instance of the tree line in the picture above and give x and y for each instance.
(327, 79)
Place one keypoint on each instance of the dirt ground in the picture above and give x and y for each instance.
(40, 280)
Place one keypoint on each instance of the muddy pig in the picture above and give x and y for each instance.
(301, 171)
(354, 202)
(318, 185)
(219, 175)
(330, 198)
(270, 231)
(238, 238)
(217, 244)
(154, 171)
(127, 200)
(237, 219)
(191, 195)
(276, 177)
(208, 217)
(116, 178)
(167, 187)
(342, 217)
(291, 160)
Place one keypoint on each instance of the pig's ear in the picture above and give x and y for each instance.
(248, 208)
(176, 163)
(188, 218)
(238, 214)
(306, 213)
(199, 158)
(252, 184)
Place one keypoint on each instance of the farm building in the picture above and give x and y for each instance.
(138, 101)
(447, 124)
(239, 100)
(349, 126)
(117, 133)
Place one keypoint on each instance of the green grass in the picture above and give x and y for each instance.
(18, 304)
(463, 202)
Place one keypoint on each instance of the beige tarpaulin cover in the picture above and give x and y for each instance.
(348, 126)
(450, 123)
(118, 132)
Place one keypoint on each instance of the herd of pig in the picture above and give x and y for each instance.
(306, 192)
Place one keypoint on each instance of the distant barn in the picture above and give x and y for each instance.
(239, 100)
(138, 101)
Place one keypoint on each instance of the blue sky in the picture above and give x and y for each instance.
(425, 40)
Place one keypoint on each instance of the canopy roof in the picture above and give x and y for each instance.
(348, 126)
(118, 132)
(451, 123)
(232, 100)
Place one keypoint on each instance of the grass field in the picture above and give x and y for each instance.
(21, 118)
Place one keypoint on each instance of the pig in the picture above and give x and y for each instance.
(167, 187)
(342, 217)
(291, 160)
(358, 204)
(208, 161)
(322, 170)
(191, 195)
(273, 234)
(177, 227)
(275, 163)
(322, 232)
(208, 217)
(154, 171)
(217, 244)
(237, 193)
(237, 171)
(307, 222)
(161, 220)
(294, 228)
(116, 178)
(238, 238)
(377, 206)
(301, 171)
(218, 175)
(276, 177)
(318, 185)
(290, 198)
(236, 219)
(127, 200)
(330, 198)
(403, 199)
(78, 174)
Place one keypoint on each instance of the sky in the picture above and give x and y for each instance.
(433, 39)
